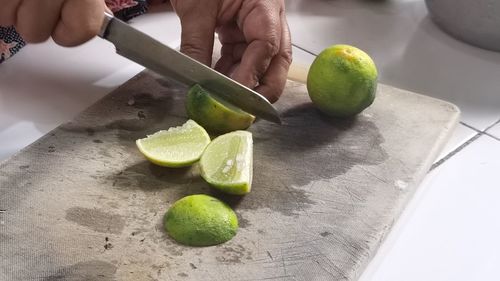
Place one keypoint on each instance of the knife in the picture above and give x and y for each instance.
(152, 54)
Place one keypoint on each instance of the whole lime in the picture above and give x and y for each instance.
(201, 220)
(342, 81)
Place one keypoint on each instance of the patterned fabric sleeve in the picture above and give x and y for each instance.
(11, 42)
(127, 9)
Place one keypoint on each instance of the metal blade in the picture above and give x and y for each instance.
(152, 54)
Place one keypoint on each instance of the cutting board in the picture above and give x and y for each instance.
(82, 203)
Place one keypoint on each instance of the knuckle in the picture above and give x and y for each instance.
(89, 31)
(287, 56)
(192, 50)
(84, 28)
(195, 50)
(270, 47)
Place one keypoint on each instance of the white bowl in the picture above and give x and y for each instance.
(476, 22)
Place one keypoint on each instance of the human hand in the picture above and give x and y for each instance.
(68, 22)
(256, 46)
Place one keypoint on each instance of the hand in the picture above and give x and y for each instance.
(68, 22)
(256, 46)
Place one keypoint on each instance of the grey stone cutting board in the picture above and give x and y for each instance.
(83, 204)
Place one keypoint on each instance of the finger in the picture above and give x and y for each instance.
(80, 21)
(230, 55)
(239, 50)
(230, 33)
(272, 84)
(261, 26)
(226, 60)
(197, 36)
(233, 46)
(108, 10)
(37, 18)
(8, 12)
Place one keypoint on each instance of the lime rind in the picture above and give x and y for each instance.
(201, 220)
(342, 81)
(227, 163)
(176, 147)
(215, 114)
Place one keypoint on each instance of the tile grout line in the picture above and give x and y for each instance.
(469, 141)
(492, 136)
(492, 125)
(470, 127)
(455, 151)
(485, 132)
(459, 148)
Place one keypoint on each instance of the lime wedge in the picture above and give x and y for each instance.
(201, 220)
(176, 147)
(214, 114)
(226, 163)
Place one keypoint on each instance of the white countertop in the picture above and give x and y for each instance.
(449, 230)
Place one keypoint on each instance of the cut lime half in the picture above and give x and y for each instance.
(176, 147)
(226, 163)
(201, 220)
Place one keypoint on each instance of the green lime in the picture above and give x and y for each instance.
(176, 147)
(226, 163)
(201, 220)
(342, 81)
(214, 114)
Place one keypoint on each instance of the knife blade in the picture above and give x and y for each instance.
(152, 54)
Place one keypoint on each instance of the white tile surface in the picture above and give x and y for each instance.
(495, 131)
(459, 137)
(450, 229)
(45, 85)
(410, 51)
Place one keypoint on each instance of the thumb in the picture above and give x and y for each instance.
(197, 36)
